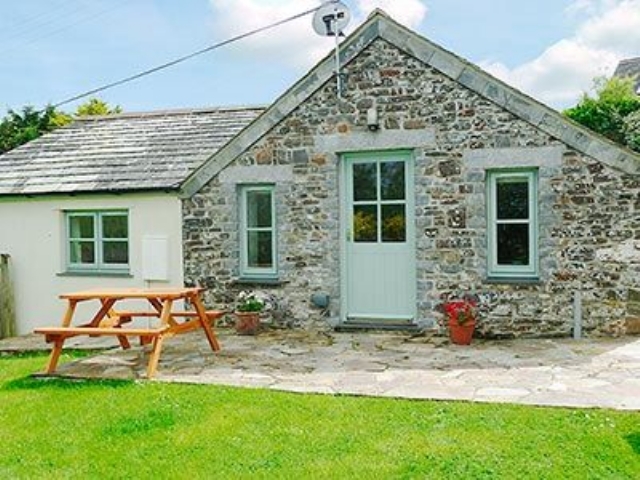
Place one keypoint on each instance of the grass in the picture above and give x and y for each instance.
(72, 429)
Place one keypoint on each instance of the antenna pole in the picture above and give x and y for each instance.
(330, 19)
(338, 76)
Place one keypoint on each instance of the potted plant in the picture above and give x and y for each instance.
(248, 309)
(462, 319)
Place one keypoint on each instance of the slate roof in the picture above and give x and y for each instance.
(121, 153)
(629, 68)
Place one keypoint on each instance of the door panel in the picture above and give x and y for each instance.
(379, 262)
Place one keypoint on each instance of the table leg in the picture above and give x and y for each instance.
(152, 367)
(124, 342)
(107, 305)
(68, 314)
(204, 321)
(55, 354)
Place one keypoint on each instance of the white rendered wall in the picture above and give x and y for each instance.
(32, 232)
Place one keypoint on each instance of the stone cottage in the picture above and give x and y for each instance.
(629, 68)
(424, 179)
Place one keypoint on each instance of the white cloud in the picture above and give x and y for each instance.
(408, 12)
(295, 43)
(608, 32)
(617, 29)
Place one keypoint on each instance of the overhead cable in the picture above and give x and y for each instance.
(185, 57)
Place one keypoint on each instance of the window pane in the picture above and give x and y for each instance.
(513, 244)
(365, 223)
(393, 223)
(259, 209)
(260, 249)
(115, 252)
(392, 180)
(364, 181)
(513, 198)
(115, 226)
(82, 252)
(81, 226)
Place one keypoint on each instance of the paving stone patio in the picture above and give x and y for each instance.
(558, 372)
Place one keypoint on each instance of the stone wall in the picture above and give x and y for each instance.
(586, 209)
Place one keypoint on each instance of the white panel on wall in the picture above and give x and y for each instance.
(155, 258)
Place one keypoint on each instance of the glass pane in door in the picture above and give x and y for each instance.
(365, 223)
(392, 181)
(393, 223)
(365, 182)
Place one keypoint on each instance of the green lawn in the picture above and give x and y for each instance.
(65, 429)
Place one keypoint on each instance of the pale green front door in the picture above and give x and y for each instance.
(379, 280)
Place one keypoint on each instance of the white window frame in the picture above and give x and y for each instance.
(98, 240)
(245, 270)
(530, 270)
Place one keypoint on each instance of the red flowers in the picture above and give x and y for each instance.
(461, 311)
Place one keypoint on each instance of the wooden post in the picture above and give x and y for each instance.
(7, 306)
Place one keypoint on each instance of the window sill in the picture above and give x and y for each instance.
(259, 281)
(96, 273)
(513, 280)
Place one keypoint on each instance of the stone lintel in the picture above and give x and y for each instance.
(370, 141)
(257, 174)
(514, 157)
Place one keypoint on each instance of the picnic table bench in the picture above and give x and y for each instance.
(110, 321)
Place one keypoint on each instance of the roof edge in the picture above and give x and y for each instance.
(284, 104)
(168, 112)
(519, 104)
(380, 25)
(174, 190)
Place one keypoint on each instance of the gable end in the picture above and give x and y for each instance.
(379, 25)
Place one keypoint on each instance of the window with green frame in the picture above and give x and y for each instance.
(257, 231)
(512, 208)
(97, 240)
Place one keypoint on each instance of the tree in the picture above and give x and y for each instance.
(614, 101)
(632, 130)
(17, 128)
(95, 106)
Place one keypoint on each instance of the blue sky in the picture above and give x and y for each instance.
(51, 50)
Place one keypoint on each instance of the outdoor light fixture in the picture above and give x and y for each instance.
(372, 119)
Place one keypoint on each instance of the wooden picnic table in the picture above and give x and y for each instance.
(108, 320)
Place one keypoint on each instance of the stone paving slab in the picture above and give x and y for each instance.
(601, 373)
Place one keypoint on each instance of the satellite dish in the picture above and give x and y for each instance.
(331, 19)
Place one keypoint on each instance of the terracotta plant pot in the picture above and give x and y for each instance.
(461, 334)
(247, 323)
